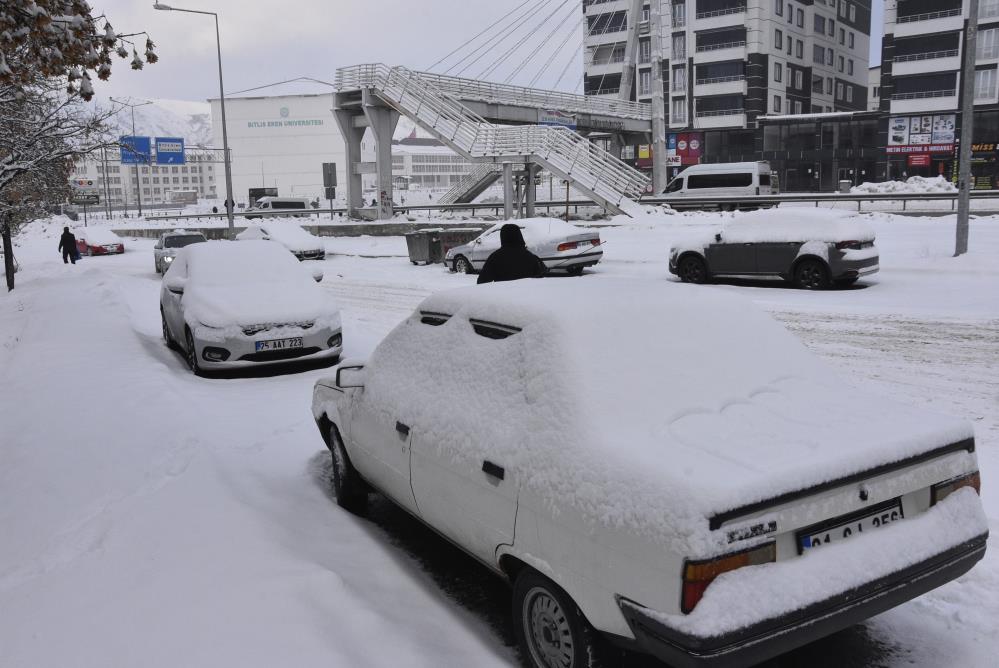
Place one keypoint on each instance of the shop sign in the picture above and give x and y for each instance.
(921, 130)
(983, 148)
(556, 117)
(919, 160)
(930, 148)
(644, 158)
(687, 145)
(673, 161)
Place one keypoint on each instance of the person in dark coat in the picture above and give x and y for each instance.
(67, 244)
(512, 260)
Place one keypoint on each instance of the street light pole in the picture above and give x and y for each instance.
(229, 203)
(138, 181)
(964, 179)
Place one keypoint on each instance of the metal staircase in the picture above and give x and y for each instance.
(590, 169)
(473, 184)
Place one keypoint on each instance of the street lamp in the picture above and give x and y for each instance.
(138, 181)
(225, 138)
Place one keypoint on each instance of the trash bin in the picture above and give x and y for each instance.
(424, 246)
(456, 236)
(844, 186)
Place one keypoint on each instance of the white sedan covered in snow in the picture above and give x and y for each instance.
(302, 244)
(559, 244)
(703, 490)
(230, 305)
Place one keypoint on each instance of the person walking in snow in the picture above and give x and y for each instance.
(512, 260)
(67, 244)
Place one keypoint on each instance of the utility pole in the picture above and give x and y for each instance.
(107, 186)
(967, 130)
(658, 100)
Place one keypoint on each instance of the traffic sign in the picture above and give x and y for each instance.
(329, 175)
(331, 193)
(135, 150)
(170, 151)
(85, 198)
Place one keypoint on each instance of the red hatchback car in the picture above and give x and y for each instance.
(97, 241)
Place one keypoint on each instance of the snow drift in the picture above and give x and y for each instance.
(913, 184)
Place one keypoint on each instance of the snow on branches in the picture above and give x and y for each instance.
(61, 39)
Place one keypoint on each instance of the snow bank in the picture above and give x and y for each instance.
(288, 234)
(250, 283)
(98, 236)
(913, 184)
(646, 406)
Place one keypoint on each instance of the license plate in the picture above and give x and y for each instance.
(280, 344)
(841, 528)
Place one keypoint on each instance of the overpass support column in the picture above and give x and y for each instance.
(352, 143)
(532, 189)
(382, 121)
(507, 190)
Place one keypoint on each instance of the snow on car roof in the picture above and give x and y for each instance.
(254, 261)
(783, 225)
(287, 233)
(98, 236)
(540, 229)
(648, 406)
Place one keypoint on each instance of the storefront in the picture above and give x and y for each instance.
(921, 146)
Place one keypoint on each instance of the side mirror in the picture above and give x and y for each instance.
(175, 284)
(478, 240)
(317, 274)
(718, 237)
(350, 376)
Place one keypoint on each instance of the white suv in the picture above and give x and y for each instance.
(667, 467)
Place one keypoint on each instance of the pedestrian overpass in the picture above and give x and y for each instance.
(496, 125)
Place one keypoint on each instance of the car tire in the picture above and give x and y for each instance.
(575, 271)
(550, 629)
(692, 269)
(351, 492)
(811, 274)
(462, 265)
(166, 331)
(845, 282)
(191, 353)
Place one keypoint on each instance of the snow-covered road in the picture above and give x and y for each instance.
(152, 518)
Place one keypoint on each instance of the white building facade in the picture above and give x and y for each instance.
(160, 184)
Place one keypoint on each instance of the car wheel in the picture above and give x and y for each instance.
(692, 269)
(550, 629)
(846, 282)
(351, 491)
(811, 275)
(462, 265)
(191, 353)
(166, 331)
(575, 271)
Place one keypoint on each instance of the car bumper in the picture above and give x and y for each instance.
(772, 637)
(570, 260)
(242, 351)
(842, 269)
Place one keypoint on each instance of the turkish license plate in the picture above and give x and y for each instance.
(847, 526)
(280, 344)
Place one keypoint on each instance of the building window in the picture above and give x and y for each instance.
(850, 41)
(829, 57)
(818, 54)
(680, 46)
(645, 51)
(679, 14)
(790, 44)
(787, 107)
(790, 13)
(777, 105)
(817, 85)
(849, 67)
(820, 24)
(876, 93)
(778, 72)
(799, 49)
(829, 86)
(841, 65)
(853, 13)
(842, 36)
(832, 27)
(779, 7)
(679, 114)
(799, 79)
(801, 18)
(839, 91)
(679, 79)
(644, 82)
(985, 84)
(988, 9)
(842, 8)
(797, 106)
(988, 44)
(778, 39)
(849, 93)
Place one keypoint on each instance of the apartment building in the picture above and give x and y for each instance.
(159, 183)
(922, 58)
(726, 64)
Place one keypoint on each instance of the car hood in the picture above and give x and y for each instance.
(224, 306)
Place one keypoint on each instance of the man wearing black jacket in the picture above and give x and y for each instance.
(67, 244)
(512, 261)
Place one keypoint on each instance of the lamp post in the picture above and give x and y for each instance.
(225, 138)
(138, 181)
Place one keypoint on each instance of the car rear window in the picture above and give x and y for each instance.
(736, 180)
(180, 241)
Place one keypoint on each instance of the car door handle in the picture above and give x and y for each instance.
(401, 428)
(493, 470)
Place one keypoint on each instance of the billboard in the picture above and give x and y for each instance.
(135, 150)
(556, 117)
(170, 151)
(921, 130)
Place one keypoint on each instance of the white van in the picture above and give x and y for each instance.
(267, 205)
(724, 179)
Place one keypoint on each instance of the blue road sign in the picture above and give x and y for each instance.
(135, 150)
(169, 151)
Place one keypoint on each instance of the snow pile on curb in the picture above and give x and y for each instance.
(914, 184)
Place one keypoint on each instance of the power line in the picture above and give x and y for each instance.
(492, 68)
(542, 43)
(487, 29)
(555, 54)
(502, 35)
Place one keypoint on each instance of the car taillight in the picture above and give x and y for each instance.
(697, 575)
(942, 490)
(851, 245)
(568, 245)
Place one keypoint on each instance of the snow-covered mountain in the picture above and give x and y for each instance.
(168, 118)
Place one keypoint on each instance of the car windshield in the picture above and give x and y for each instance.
(179, 241)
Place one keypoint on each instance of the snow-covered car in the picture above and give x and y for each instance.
(704, 490)
(169, 243)
(98, 241)
(302, 244)
(811, 248)
(238, 304)
(559, 244)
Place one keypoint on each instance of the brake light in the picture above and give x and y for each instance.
(697, 575)
(942, 490)
(568, 245)
(851, 245)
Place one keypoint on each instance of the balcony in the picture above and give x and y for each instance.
(724, 51)
(720, 118)
(733, 85)
(720, 18)
(930, 23)
(924, 101)
(931, 61)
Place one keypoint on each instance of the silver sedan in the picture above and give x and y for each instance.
(560, 246)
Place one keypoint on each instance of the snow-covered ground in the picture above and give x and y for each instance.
(153, 518)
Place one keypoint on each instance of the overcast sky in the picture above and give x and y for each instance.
(266, 42)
